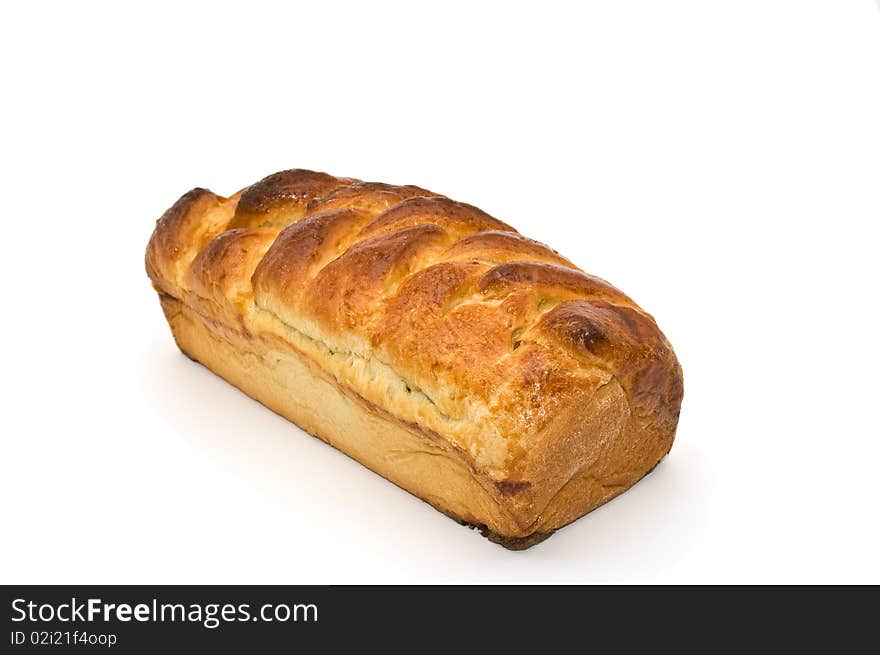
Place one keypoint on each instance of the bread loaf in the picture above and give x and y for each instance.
(474, 367)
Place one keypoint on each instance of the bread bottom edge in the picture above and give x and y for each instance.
(524, 543)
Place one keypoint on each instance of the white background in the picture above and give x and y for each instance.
(719, 161)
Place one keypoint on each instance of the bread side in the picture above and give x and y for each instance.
(550, 387)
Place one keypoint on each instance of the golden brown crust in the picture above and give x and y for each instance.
(455, 218)
(281, 198)
(497, 247)
(374, 197)
(552, 387)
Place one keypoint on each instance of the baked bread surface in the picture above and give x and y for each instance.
(475, 367)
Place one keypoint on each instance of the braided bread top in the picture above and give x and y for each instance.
(431, 310)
